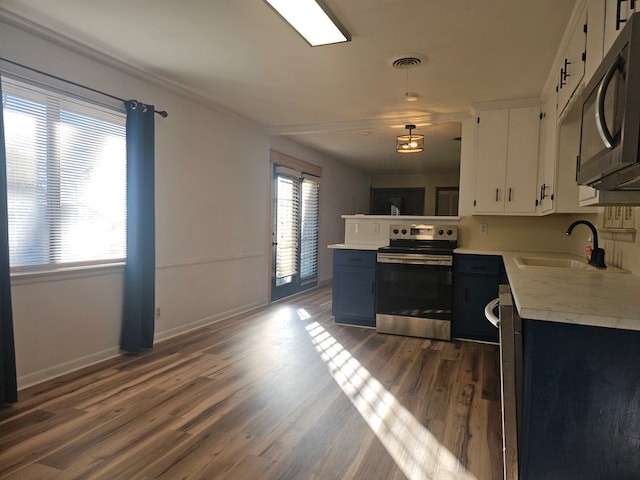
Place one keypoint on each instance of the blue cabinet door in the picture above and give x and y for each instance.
(354, 287)
(476, 281)
(581, 415)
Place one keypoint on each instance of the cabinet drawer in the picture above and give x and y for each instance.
(485, 265)
(355, 258)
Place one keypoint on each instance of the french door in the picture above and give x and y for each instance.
(295, 232)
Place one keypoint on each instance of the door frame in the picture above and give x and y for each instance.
(277, 158)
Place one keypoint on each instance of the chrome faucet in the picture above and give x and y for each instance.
(597, 256)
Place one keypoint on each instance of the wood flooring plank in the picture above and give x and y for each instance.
(142, 456)
(34, 471)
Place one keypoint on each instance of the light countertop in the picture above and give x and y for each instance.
(604, 298)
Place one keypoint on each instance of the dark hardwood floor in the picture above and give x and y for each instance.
(279, 393)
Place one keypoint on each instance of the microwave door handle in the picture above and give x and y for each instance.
(601, 122)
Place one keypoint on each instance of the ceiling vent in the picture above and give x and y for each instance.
(407, 60)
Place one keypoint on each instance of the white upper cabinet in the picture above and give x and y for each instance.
(507, 161)
(573, 64)
(616, 14)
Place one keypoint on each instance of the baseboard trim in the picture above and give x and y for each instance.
(65, 368)
(74, 365)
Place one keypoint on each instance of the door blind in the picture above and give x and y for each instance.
(288, 198)
(309, 228)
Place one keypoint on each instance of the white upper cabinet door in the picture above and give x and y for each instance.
(617, 12)
(572, 67)
(507, 161)
(491, 161)
(522, 160)
(595, 37)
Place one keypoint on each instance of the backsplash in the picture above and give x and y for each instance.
(539, 234)
(547, 234)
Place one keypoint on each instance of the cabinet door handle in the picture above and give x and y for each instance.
(509, 193)
(497, 194)
(562, 79)
(566, 70)
(543, 191)
(619, 19)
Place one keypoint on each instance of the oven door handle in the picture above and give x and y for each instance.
(488, 312)
(439, 260)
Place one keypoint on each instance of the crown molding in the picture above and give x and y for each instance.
(367, 124)
(503, 104)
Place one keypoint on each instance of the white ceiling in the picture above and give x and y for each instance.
(343, 99)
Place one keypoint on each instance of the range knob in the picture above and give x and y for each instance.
(395, 231)
(440, 232)
(404, 231)
(449, 232)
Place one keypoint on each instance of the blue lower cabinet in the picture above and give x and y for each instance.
(475, 282)
(581, 409)
(354, 276)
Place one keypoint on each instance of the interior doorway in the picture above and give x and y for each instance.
(447, 201)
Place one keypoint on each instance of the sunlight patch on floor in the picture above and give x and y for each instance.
(415, 450)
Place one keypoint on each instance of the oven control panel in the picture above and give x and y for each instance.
(414, 231)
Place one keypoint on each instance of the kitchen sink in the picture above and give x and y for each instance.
(545, 262)
(563, 264)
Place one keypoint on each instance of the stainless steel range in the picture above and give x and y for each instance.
(414, 293)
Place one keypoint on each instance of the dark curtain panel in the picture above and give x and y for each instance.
(8, 380)
(139, 275)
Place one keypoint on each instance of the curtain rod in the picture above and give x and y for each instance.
(162, 113)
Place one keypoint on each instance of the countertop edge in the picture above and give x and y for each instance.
(354, 246)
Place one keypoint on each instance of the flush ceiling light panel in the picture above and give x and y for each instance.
(312, 19)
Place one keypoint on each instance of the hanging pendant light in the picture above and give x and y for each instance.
(411, 143)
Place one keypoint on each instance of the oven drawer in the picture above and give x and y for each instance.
(354, 258)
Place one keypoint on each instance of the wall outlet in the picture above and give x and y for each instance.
(484, 229)
(157, 312)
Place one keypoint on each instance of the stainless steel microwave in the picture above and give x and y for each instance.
(610, 136)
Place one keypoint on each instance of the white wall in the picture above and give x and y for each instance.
(212, 222)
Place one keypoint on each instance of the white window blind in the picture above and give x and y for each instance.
(288, 198)
(309, 228)
(66, 178)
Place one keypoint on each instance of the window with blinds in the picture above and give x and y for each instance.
(66, 178)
